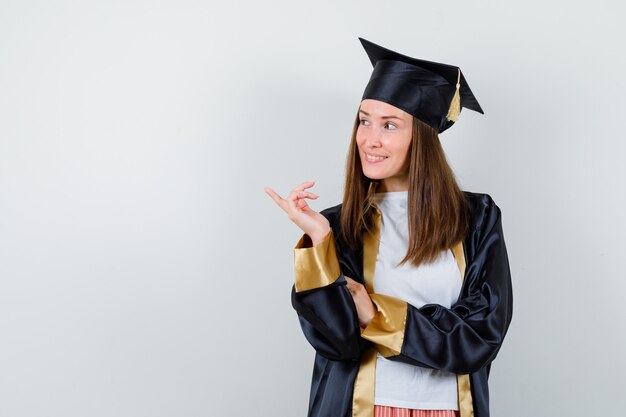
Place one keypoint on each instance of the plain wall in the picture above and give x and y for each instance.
(143, 270)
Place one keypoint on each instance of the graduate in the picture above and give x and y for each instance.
(403, 289)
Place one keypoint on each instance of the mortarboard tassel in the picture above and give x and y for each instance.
(455, 106)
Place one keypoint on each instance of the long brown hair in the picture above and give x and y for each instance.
(438, 213)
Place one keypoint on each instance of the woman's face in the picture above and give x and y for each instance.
(383, 139)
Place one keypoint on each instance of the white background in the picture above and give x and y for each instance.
(143, 270)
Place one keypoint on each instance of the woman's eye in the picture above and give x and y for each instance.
(363, 122)
(391, 124)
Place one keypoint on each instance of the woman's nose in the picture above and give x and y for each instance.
(373, 139)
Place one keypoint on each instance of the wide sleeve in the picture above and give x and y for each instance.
(465, 337)
(324, 305)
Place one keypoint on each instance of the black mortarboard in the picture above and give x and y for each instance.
(430, 91)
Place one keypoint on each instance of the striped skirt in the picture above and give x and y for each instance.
(386, 411)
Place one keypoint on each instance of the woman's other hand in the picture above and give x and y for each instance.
(314, 224)
(364, 306)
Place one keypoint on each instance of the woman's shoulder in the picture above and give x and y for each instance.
(479, 200)
(331, 213)
(484, 212)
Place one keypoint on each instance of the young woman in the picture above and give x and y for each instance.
(404, 288)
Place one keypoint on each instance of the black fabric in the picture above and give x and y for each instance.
(462, 339)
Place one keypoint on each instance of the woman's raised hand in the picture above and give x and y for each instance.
(298, 211)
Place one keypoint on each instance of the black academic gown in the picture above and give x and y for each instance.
(463, 339)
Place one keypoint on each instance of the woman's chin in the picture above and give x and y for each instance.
(373, 176)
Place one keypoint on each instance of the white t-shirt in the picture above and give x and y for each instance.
(400, 384)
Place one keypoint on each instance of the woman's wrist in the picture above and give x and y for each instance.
(318, 238)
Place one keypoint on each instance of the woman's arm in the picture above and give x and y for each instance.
(464, 337)
(319, 295)
(325, 308)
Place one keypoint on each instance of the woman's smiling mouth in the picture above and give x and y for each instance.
(375, 158)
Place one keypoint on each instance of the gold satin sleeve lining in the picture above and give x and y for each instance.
(316, 266)
(386, 329)
(466, 406)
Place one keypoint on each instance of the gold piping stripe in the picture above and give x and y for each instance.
(466, 406)
(386, 329)
(364, 384)
(370, 251)
(363, 397)
(459, 255)
(316, 266)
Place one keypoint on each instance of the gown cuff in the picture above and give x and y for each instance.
(386, 330)
(316, 266)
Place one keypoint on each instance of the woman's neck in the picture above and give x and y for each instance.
(386, 186)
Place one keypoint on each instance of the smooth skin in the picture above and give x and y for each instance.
(384, 130)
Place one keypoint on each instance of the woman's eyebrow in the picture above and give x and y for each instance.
(383, 117)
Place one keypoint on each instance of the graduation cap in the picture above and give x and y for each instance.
(430, 91)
